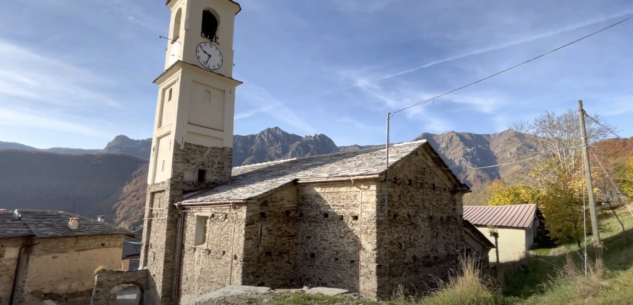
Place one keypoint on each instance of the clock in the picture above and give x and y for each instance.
(209, 56)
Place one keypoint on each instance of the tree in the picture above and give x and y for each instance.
(514, 194)
(558, 141)
(562, 205)
(625, 178)
(554, 167)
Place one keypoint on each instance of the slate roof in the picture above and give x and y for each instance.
(253, 181)
(509, 216)
(476, 234)
(131, 248)
(49, 224)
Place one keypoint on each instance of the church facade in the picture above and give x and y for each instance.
(344, 220)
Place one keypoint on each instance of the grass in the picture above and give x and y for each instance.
(527, 277)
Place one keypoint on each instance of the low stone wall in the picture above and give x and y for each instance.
(106, 280)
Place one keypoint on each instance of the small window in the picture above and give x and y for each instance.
(169, 95)
(202, 176)
(207, 96)
(209, 25)
(202, 230)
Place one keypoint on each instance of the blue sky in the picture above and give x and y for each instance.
(77, 73)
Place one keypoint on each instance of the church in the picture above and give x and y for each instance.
(348, 220)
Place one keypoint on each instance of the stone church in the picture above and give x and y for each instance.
(343, 220)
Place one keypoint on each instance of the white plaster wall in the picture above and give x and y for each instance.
(512, 243)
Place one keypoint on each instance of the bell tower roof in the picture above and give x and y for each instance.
(238, 5)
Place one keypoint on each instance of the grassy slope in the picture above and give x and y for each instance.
(543, 264)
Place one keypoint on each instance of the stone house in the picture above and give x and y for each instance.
(520, 227)
(51, 255)
(324, 221)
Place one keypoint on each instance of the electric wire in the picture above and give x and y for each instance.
(518, 161)
(604, 127)
(610, 179)
(513, 67)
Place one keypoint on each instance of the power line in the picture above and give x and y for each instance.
(515, 66)
(610, 179)
(605, 128)
(518, 161)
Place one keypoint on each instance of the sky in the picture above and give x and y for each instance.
(78, 73)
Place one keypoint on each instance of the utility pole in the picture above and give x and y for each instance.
(597, 244)
(387, 170)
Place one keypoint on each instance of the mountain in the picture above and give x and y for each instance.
(462, 151)
(57, 150)
(275, 144)
(11, 145)
(115, 184)
(123, 145)
(86, 184)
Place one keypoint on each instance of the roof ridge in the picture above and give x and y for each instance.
(267, 162)
(336, 153)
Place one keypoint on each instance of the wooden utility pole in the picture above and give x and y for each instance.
(597, 244)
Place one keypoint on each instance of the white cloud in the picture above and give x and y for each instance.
(362, 6)
(134, 14)
(268, 104)
(360, 125)
(46, 121)
(27, 76)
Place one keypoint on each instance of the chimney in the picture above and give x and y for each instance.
(73, 223)
(101, 218)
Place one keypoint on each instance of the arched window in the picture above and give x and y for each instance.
(176, 30)
(209, 25)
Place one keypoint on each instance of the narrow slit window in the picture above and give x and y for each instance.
(169, 95)
(209, 25)
(176, 30)
(207, 96)
(202, 176)
(202, 230)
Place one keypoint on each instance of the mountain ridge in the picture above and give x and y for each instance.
(464, 153)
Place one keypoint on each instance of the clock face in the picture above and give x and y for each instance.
(209, 56)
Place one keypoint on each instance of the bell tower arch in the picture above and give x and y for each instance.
(192, 143)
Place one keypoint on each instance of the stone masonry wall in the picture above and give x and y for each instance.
(9, 252)
(420, 239)
(337, 236)
(270, 245)
(162, 219)
(61, 269)
(216, 161)
(107, 280)
(217, 263)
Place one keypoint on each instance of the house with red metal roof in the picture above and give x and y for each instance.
(520, 227)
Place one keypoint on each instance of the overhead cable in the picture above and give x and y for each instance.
(515, 66)
(519, 161)
(605, 128)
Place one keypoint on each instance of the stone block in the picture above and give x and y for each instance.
(327, 291)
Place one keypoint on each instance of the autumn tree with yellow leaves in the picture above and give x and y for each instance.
(553, 173)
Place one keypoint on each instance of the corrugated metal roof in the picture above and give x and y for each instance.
(512, 216)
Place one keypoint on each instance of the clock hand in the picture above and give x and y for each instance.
(205, 63)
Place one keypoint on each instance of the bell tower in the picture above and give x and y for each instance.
(192, 143)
